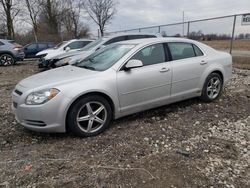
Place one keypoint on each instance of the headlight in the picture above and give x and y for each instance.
(64, 61)
(41, 97)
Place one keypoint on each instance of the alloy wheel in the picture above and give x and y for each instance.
(91, 117)
(6, 60)
(213, 87)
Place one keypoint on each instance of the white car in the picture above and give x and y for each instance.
(64, 47)
(72, 57)
(120, 79)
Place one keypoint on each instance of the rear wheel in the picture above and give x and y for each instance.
(89, 116)
(7, 60)
(212, 87)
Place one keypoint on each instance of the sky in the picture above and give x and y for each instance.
(141, 13)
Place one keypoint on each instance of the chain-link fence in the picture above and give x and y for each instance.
(226, 33)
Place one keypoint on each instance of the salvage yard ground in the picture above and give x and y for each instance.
(186, 144)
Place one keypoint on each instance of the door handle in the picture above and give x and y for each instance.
(164, 69)
(203, 62)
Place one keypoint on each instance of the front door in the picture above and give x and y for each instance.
(148, 86)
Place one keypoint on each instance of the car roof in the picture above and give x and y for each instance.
(152, 40)
(83, 39)
(128, 34)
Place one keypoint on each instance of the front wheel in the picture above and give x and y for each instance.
(89, 116)
(212, 87)
(7, 60)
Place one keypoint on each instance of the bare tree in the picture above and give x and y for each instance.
(34, 11)
(11, 10)
(101, 12)
(72, 19)
(51, 14)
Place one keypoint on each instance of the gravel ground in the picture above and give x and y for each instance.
(186, 144)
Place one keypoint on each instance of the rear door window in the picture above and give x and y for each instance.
(42, 46)
(181, 50)
(32, 47)
(197, 50)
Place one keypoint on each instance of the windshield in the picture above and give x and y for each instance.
(105, 58)
(60, 44)
(92, 44)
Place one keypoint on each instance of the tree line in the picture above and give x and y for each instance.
(53, 20)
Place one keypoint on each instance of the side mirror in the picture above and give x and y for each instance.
(133, 63)
(67, 49)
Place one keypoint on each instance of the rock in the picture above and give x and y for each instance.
(183, 152)
(146, 139)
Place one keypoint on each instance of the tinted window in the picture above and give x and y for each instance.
(151, 55)
(74, 45)
(31, 47)
(83, 43)
(42, 46)
(116, 39)
(181, 50)
(197, 50)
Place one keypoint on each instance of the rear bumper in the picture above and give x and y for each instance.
(20, 56)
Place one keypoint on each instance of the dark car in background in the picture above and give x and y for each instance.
(10, 52)
(32, 49)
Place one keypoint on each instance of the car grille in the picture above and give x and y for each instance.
(35, 123)
(18, 92)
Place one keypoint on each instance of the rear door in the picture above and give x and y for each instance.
(188, 63)
(31, 50)
(148, 86)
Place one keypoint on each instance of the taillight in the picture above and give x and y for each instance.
(17, 47)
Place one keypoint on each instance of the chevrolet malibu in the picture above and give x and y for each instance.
(118, 80)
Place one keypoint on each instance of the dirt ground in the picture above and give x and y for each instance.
(187, 144)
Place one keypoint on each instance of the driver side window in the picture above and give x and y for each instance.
(151, 55)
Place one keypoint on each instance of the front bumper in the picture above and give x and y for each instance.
(48, 117)
(43, 63)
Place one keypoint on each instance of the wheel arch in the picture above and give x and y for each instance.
(220, 73)
(99, 93)
(7, 52)
(212, 69)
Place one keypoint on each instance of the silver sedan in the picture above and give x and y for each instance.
(118, 80)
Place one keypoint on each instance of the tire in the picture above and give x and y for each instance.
(7, 60)
(212, 88)
(89, 116)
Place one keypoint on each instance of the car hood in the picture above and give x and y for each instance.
(69, 54)
(45, 51)
(56, 77)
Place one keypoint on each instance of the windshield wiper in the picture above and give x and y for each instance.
(87, 67)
